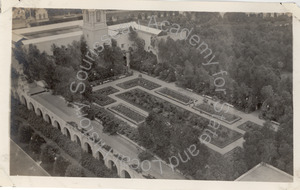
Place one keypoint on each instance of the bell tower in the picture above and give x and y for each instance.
(95, 30)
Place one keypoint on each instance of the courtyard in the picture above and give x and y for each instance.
(134, 97)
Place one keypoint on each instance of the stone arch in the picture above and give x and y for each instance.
(100, 157)
(67, 132)
(39, 112)
(112, 166)
(125, 174)
(30, 106)
(77, 140)
(87, 148)
(47, 118)
(57, 125)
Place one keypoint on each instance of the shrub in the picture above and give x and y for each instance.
(74, 171)
(48, 154)
(24, 134)
(60, 166)
(36, 143)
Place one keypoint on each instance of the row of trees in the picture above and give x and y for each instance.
(52, 159)
(63, 67)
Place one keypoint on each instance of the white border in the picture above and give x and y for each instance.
(5, 56)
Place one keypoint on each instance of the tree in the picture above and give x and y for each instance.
(24, 134)
(36, 143)
(74, 171)
(60, 166)
(48, 154)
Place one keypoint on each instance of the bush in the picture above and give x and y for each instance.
(24, 134)
(48, 154)
(36, 143)
(60, 166)
(74, 171)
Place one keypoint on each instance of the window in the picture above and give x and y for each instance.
(87, 16)
(98, 16)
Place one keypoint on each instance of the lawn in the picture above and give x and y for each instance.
(128, 113)
(174, 95)
(210, 110)
(249, 126)
(139, 82)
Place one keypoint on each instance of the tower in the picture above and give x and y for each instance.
(95, 30)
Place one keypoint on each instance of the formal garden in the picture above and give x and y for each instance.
(128, 113)
(225, 136)
(249, 126)
(106, 91)
(177, 115)
(113, 125)
(210, 110)
(139, 82)
(101, 97)
(172, 94)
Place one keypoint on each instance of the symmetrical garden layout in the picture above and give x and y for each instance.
(175, 114)
(128, 113)
(210, 110)
(139, 82)
(176, 96)
(127, 98)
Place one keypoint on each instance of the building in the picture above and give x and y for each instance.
(94, 26)
(94, 29)
(265, 173)
(41, 15)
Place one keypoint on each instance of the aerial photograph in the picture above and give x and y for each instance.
(149, 94)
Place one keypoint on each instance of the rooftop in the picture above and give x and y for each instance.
(265, 173)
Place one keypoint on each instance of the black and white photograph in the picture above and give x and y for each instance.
(151, 94)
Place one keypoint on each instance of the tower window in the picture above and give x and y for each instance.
(98, 16)
(87, 16)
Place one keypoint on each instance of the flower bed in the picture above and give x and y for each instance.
(139, 82)
(177, 115)
(123, 128)
(225, 137)
(128, 113)
(106, 91)
(249, 126)
(209, 110)
(101, 100)
(183, 99)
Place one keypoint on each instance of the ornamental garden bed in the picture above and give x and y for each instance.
(249, 126)
(177, 115)
(225, 137)
(106, 91)
(176, 96)
(101, 100)
(209, 110)
(128, 113)
(139, 82)
(123, 128)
